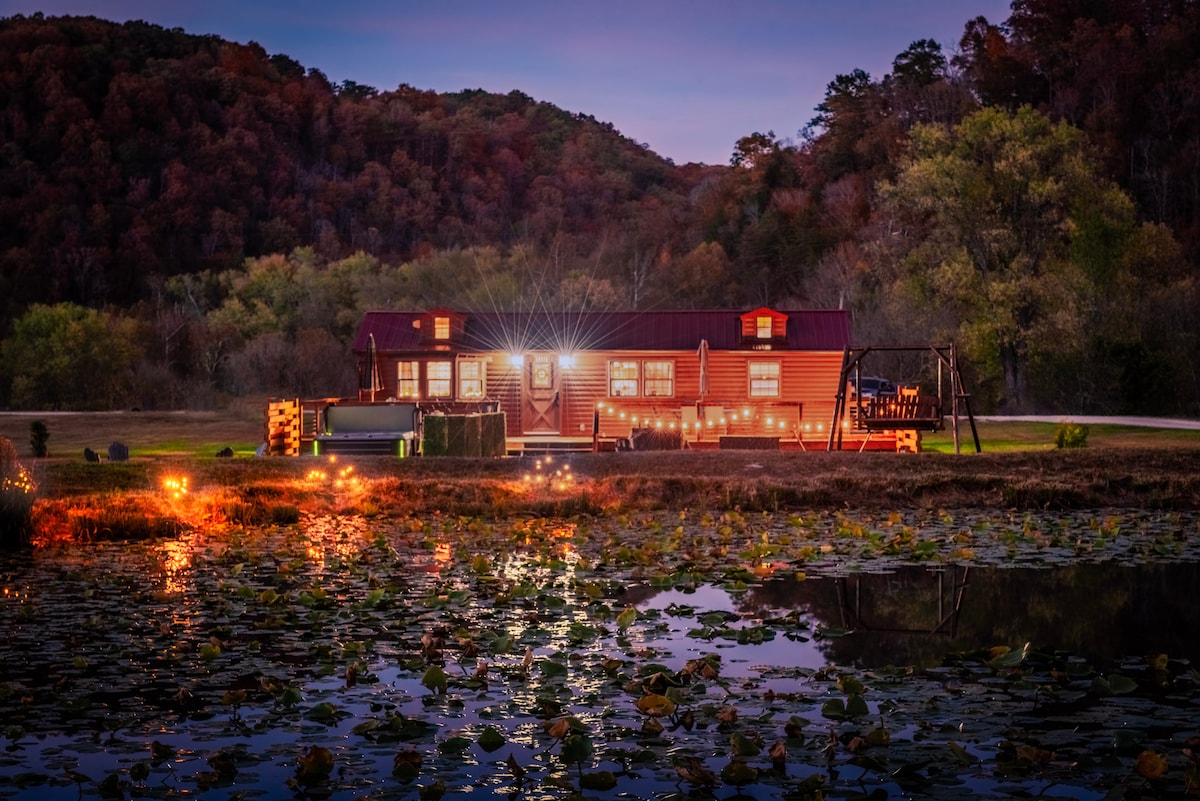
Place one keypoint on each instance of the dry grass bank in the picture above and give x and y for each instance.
(1168, 479)
(1118, 469)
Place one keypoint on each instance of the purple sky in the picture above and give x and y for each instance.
(687, 77)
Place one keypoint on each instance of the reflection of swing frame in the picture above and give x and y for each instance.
(911, 411)
(850, 604)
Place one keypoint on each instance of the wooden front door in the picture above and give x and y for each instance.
(539, 394)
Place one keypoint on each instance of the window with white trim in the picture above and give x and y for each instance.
(470, 378)
(408, 379)
(437, 379)
(764, 379)
(622, 379)
(658, 379)
(762, 325)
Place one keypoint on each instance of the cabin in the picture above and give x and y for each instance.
(764, 378)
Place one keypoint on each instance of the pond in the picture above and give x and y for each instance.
(661, 655)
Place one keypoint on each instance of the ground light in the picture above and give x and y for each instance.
(546, 476)
(175, 486)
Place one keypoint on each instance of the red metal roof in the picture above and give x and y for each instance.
(563, 332)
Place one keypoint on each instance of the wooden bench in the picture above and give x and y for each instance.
(907, 411)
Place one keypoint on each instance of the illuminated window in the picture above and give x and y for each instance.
(658, 379)
(470, 378)
(408, 382)
(441, 327)
(622, 379)
(764, 379)
(763, 325)
(437, 379)
(541, 371)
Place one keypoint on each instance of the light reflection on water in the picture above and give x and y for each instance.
(124, 627)
(737, 659)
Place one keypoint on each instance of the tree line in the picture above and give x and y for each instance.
(224, 216)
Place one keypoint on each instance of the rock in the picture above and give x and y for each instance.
(118, 452)
(90, 455)
(225, 453)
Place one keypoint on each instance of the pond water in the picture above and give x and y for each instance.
(915, 615)
(647, 657)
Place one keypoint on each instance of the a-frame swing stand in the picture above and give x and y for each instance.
(908, 411)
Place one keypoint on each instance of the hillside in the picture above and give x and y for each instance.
(186, 220)
(131, 151)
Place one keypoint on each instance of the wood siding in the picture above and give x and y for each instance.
(804, 405)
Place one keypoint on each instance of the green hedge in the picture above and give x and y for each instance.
(464, 435)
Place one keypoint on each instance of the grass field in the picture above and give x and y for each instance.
(1019, 467)
(146, 433)
(151, 434)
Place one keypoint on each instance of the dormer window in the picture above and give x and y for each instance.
(441, 328)
(762, 324)
(764, 329)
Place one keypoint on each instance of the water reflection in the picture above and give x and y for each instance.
(148, 640)
(916, 615)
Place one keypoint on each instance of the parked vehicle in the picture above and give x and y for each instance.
(873, 387)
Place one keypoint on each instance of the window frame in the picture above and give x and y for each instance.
(773, 377)
(763, 323)
(408, 386)
(632, 382)
(461, 380)
(444, 384)
(647, 380)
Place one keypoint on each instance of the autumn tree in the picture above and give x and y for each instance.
(69, 357)
(993, 213)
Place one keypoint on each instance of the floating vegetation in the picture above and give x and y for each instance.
(648, 654)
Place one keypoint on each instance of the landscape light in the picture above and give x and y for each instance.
(566, 360)
(516, 359)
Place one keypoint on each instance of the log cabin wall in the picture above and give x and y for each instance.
(798, 356)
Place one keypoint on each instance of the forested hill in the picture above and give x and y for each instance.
(194, 219)
(129, 151)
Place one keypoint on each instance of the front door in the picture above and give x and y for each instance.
(539, 394)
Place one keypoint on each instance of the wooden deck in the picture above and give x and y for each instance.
(553, 443)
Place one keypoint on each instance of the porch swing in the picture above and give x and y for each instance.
(909, 410)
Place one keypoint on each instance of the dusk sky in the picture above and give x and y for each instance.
(686, 77)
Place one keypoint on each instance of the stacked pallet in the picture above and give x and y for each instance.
(283, 427)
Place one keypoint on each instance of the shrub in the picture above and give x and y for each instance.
(38, 435)
(16, 497)
(1071, 435)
